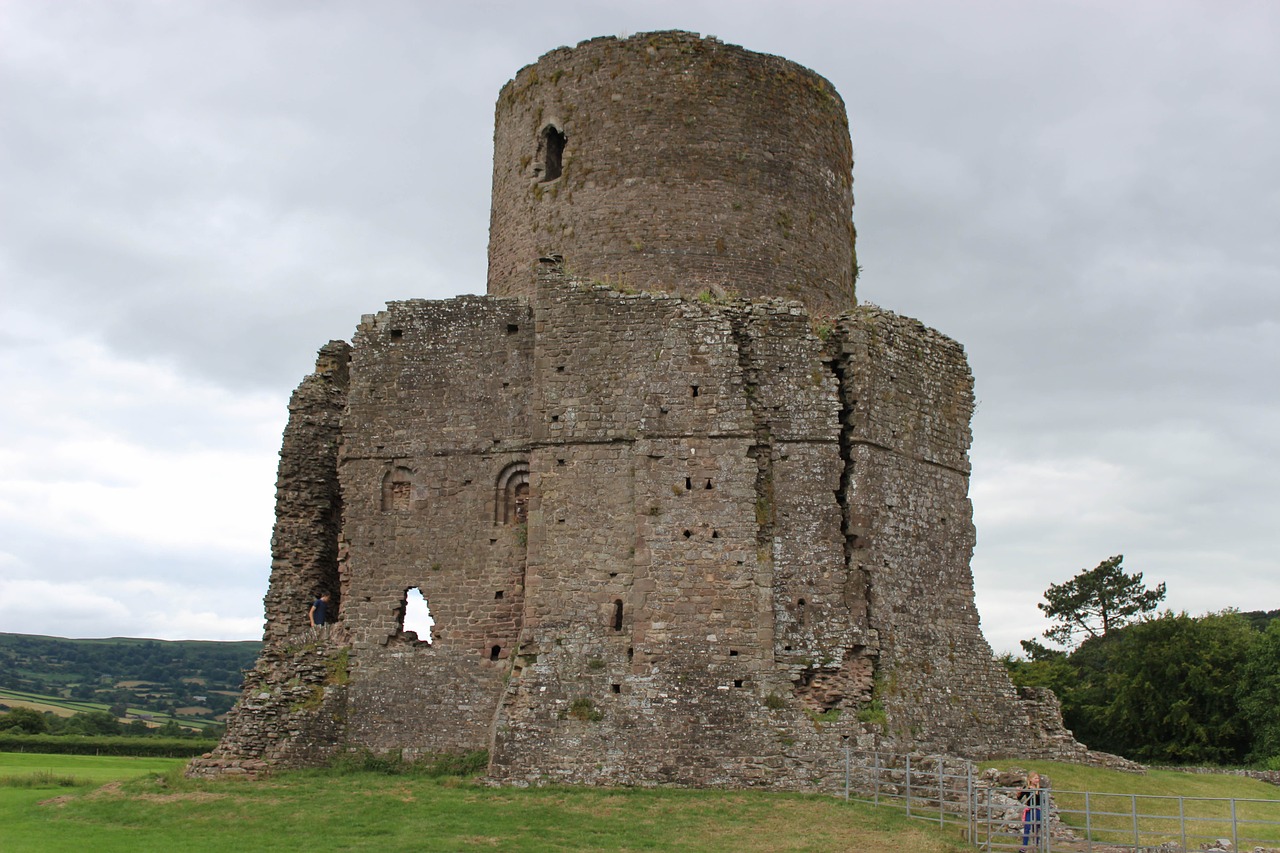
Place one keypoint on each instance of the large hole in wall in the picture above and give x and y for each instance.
(417, 615)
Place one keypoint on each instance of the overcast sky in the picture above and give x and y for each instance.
(196, 195)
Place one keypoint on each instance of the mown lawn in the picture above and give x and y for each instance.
(85, 769)
(370, 811)
(74, 803)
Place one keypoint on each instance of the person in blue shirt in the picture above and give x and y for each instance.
(319, 612)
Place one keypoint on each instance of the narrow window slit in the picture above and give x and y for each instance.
(617, 615)
(552, 145)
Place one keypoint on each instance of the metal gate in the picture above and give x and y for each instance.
(951, 792)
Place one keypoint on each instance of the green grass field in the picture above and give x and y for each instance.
(87, 769)
(70, 802)
(141, 809)
(41, 702)
(66, 707)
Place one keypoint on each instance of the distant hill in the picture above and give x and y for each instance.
(1259, 619)
(197, 679)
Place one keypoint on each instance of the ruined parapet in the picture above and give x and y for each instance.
(304, 544)
(670, 162)
(1053, 741)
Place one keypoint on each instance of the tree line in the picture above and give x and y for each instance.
(1159, 688)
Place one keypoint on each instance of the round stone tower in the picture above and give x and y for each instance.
(670, 162)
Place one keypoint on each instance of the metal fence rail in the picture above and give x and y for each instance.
(935, 788)
(950, 792)
(1141, 821)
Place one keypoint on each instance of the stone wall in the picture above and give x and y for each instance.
(908, 400)
(663, 540)
(687, 165)
(291, 713)
(304, 544)
(439, 410)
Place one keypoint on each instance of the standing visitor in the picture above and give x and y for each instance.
(319, 612)
(1032, 799)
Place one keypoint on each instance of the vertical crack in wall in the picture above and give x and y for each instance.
(762, 447)
(848, 404)
(858, 578)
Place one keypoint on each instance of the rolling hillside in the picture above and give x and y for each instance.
(194, 680)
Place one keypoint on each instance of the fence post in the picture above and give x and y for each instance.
(1235, 833)
(846, 768)
(1182, 821)
(971, 806)
(1042, 821)
(908, 786)
(876, 796)
(1133, 805)
(988, 837)
(942, 794)
(1088, 824)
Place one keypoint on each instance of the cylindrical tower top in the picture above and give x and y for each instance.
(670, 162)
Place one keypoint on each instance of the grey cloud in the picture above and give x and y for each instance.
(1083, 194)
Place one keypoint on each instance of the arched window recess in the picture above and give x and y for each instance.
(511, 494)
(550, 158)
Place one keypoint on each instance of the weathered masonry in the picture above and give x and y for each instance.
(682, 511)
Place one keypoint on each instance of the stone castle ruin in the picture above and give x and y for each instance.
(682, 511)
